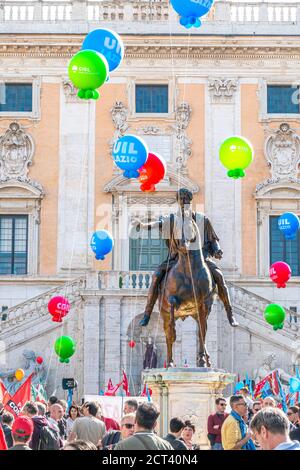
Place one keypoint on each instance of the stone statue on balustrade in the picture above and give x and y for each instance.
(268, 366)
(30, 366)
(150, 357)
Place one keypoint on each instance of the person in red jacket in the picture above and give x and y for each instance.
(214, 424)
(3, 445)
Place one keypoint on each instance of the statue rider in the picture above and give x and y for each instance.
(210, 248)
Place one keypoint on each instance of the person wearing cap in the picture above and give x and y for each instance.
(22, 430)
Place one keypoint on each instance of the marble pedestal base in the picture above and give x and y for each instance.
(187, 393)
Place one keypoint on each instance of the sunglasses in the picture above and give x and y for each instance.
(222, 404)
(128, 425)
(290, 414)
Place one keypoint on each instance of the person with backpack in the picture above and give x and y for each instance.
(145, 437)
(45, 436)
(49, 436)
(111, 438)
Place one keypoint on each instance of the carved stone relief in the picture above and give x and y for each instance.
(183, 144)
(282, 152)
(70, 92)
(222, 89)
(16, 152)
(119, 114)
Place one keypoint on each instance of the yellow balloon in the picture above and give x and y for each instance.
(19, 374)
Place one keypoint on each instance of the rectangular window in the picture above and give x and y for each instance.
(16, 97)
(293, 318)
(13, 244)
(152, 99)
(283, 99)
(282, 249)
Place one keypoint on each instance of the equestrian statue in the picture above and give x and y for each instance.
(188, 281)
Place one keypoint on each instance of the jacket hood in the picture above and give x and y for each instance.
(40, 421)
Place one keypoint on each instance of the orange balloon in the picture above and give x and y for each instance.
(19, 374)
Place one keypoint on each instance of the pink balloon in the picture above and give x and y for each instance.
(280, 273)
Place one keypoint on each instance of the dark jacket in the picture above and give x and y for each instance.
(38, 423)
(295, 434)
(62, 424)
(175, 443)
(111, 439)
(7, 434)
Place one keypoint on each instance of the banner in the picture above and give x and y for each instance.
(15, 404)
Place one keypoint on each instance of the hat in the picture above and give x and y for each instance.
(23, 426)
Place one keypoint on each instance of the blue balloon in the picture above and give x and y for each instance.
(130, 153)
(289, 224)
(102, 243)
(294, 385)
(108, 43)
(191, 10)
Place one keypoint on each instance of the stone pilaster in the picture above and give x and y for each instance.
(223, 194)
(91, 345)
(111, 334)
(76, 183)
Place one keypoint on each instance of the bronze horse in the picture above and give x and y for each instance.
(187, 290)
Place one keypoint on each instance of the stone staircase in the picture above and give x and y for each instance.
(21, 322)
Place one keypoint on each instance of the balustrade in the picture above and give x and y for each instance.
(144, 11)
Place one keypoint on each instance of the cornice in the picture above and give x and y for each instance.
(159, 48)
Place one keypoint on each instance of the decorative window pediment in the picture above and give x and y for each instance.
(171, 183)
(173, 140)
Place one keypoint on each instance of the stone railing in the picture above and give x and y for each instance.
(123, 14)
(37, 306)
(125, 280)
(242, 299)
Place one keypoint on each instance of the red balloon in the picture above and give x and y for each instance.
(131, 344)
(58, 307)
(152, 172)
(39, 360)
(280, 273)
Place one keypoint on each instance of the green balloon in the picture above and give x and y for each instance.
(88, 70)
(275, 316)
(64, 347)
(236, 154)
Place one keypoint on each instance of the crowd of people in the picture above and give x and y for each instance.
(250, 425)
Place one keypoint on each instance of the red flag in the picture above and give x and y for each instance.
(110, 385)
(274, 383)
(125, 384)
(15, 404)
(3, 445)
(112, 389)
(4, 395)
(144, 392)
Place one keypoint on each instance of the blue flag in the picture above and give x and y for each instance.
(282, 394)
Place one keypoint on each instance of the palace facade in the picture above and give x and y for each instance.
(184, 92)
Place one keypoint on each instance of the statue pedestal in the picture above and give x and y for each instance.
(187, 393)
